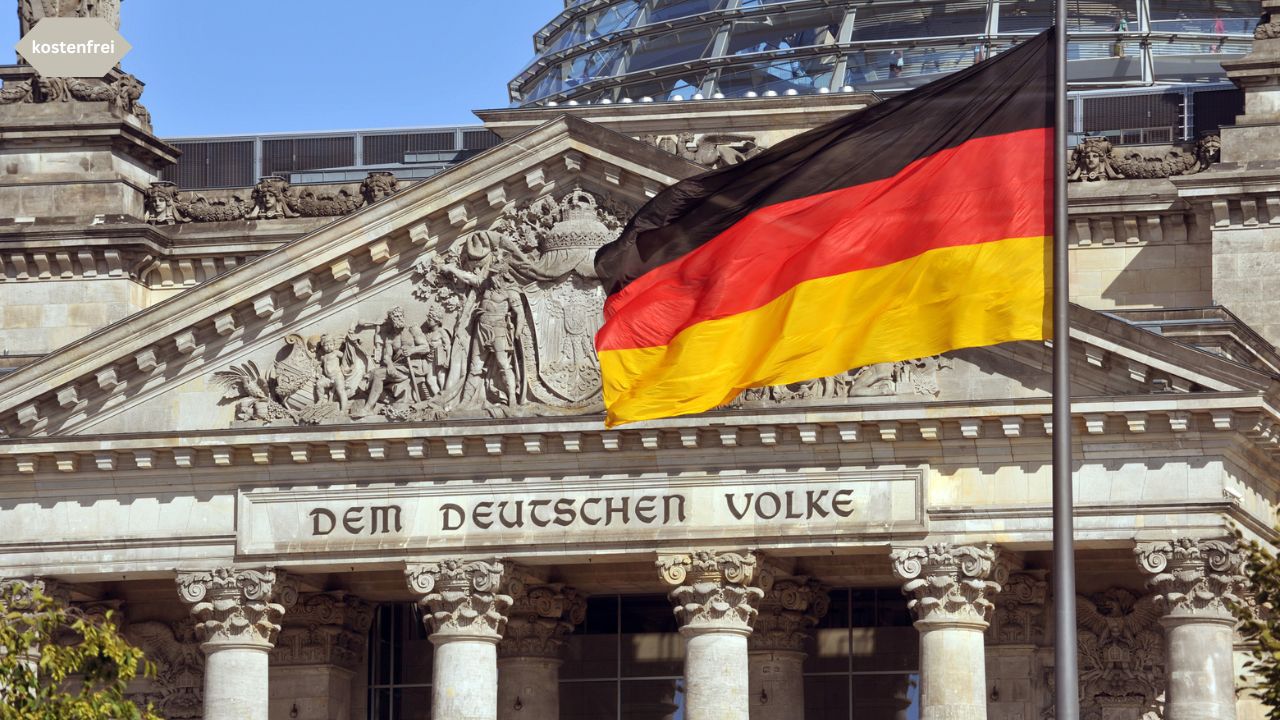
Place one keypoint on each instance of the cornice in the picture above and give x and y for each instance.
(1133, 419)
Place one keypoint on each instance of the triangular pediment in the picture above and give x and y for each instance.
(471, 296)
(549, 196)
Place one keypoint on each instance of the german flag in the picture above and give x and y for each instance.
(919, 225)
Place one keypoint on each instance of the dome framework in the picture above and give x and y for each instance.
(636, 50)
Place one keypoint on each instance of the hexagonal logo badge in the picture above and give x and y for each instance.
(73, 47)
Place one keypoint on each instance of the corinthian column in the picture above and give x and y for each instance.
(790, 606)
(529, 656)
(1193, 580)
(950, 592)
(237, 620)
(715, 604)
(466, 615)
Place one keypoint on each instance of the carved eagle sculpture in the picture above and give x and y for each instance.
(1116, 616)
(243, 381)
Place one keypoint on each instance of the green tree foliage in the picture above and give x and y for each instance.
(58, 663)
(1259, 625)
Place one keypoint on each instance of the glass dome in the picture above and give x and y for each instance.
(659, 49)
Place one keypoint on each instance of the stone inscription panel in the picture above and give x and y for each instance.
(465, 516)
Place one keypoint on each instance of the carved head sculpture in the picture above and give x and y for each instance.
(269, 198)
(435, 316)
(1092, 160)
(395, 318)
(1092, 152)
(160, 203)
(1208, 149)
(52, 89)
(330, 344)
(378, 185)
(128, 90)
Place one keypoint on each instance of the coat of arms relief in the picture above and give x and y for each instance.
(500, 323)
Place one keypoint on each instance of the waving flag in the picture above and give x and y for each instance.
(919, 225)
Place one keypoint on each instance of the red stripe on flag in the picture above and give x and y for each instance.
(986, 189)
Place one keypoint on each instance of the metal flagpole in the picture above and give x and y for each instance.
(1066, 671)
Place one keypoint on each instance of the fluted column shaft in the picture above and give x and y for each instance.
(529, 655)
(466, 614)
(950, 594)
(789, 608)
(1193, 581)
(237, 620)
(715, 604)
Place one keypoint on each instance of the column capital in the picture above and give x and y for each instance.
(1193, 578)
(712, 590)
(462, 597)
(542, 614)
(326, 628)
(22, 586)
(1018, 617)
(789, 608)
(237, 606)
(949, 582)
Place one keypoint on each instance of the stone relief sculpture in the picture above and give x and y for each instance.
(715, 150)
(1094, 160)
(177, 690)
(911, 377)
(271, 198)
(1121, 656)
(500, 323)
(160, 204)
(503, 324)
(122, 93)
(32, 11)
(1267, 28)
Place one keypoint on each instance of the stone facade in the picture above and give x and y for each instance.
(396, 405)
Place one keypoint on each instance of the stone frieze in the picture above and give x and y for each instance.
(1094, 159)
(271, 198)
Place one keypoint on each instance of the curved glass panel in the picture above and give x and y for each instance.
(671, 48)
(802, 75)
(597, 24)
(891, 21)
(783, 31)
(673, 9)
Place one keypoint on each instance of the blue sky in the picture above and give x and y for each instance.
(244, 66)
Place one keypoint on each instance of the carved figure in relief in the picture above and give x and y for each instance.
(379, 185)
(160, 204)
(437, 355)
(499, 322)
(1091, 161)
(333, 380)
(715, 150)
(400, 348)
(270, 199)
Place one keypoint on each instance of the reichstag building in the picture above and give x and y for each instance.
(285, 403)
